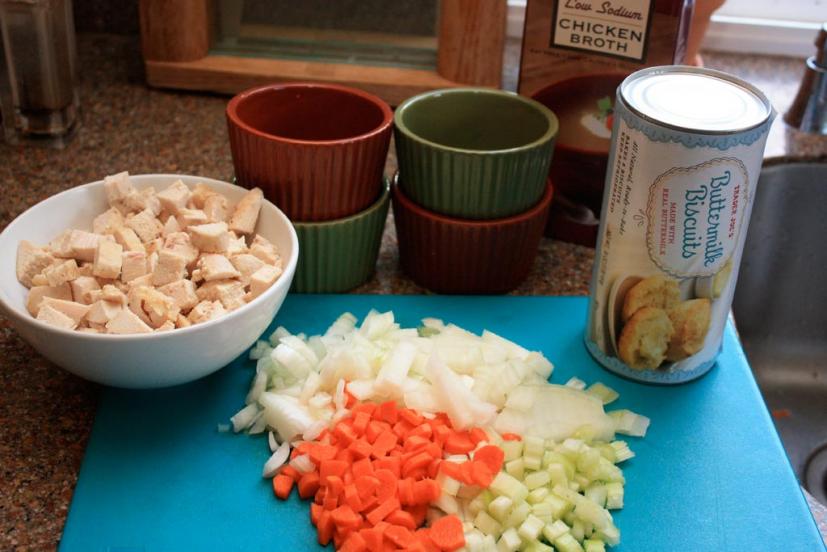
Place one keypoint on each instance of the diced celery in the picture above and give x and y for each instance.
(606, 471)
(536, 479)
(534, 446)
(608, 452)
(447, 504)
(559, 506)
(533, 462)
(577, 529)
(512, 449)
(567, 543)
(602, 392)
(476, 506)
(518, 514)
(557, 473)
(537, 495)
(589, 511)
(507, 485)
(614, 495)
(473, 541)
(542, 510)
(629, 423)
(516, 468)
(537, 546)
(553, 531)
(571, 447)
(487, 524)
(610, 535)
(593, 545)
(500, 507)
(509, 541)
(622, 451)
(530, 528)
(574, 486)
(449, 485)
(597, 493)
(588, 460)
(489, 544)
(576, 383)
(582, 481)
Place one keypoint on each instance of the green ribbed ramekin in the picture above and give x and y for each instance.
(474, 153)
(338, 255)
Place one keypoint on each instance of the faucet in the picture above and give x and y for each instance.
(808, 112)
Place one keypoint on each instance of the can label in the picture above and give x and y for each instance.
(675, 210)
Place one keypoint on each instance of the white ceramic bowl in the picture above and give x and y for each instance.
(144, 360)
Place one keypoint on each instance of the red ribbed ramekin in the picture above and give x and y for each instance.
(317, 150)
(450, 255)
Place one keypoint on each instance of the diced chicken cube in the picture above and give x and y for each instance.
(246, 212)
(128, 239)
(166, 326)
(237, 245)
(101, 312)
(82, 286)
(213, 291)
(265, 251)
(154, 246)
(210, 238)
(38, 293)
(133, 265)
(152, 261)
(171, 267)
(171, 226)
(89, 330)
(83, 245)
(55, 318)
(145, 225)
(40, 279)
(125, 322)
(85, 268)
(262, 279)
(174, 197)
(180, 243)
(31, 260)
(117, 187)
(152, 306)
(182, 292)
(182, 321)
(246, 264)
(145, 280)
(107, 222)
(111, 293)
(60, 246)
(75, 311)
(206, 310)
(108, 260)
(191, 217)
(216, 267)
(145, 200)
(200, 193)
(216, 207)
(62, 272)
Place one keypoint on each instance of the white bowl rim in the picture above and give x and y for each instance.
(288, 270)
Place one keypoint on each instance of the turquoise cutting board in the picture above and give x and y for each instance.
(711, 474)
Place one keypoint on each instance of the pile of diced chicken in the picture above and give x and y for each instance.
(154, 261)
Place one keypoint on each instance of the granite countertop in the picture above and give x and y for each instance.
(46, 413)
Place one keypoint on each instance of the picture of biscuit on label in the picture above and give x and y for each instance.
(713, 286)
(658, 326)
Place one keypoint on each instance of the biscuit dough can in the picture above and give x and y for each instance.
(687, 147)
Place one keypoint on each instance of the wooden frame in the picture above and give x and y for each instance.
(175, 37)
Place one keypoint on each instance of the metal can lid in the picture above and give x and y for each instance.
(695, 99)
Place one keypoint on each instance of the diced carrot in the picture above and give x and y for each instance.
(401, 428)
(321, 494)
(411, 416)
(458, 443)
(383, 444)
(423, 536)
(418, 511)
(451, 469)
(387, 485)
(325, 528)
(354, 542)
(477, 434)
(511, 437)
(367, 407)
(315, 513)
(415, 442)
(373, 539)
(332, 467)
(352, 498)
(420, 460)
(344, 516)
(348, 478)
(338, 537)
(282, 485)
(423, 430)
(481, 474)
(434, 450)
(350, 400)
(366, 485)
(344, 455)
(362, 467)
(492, 456)
(290, 471)
(360, 449)
(369, 503)
(399, 535)
(360, 422)
(418, 473)
(405, 491)
(467, 472)
(403, 518)
(433, 467)
(308, 484)
(447, 533)
(318, 453)
(387, 412)
(382, 510)
(441, 433)
(330, 502)
(425, 491)
(334, 485)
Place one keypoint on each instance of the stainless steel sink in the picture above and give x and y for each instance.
(780, 310)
